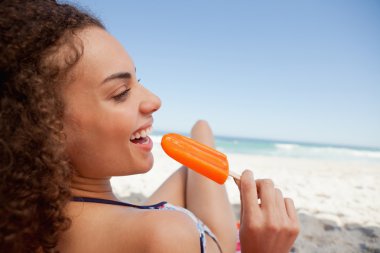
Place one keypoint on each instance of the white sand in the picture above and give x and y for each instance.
(338, 202)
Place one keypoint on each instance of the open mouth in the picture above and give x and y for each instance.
(141, 137)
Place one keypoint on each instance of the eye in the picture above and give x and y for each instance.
(121, 96)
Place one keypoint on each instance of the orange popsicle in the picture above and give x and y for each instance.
(198, 157)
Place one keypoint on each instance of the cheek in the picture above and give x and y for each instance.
(115, 128)
(97, 128)
(100, 146)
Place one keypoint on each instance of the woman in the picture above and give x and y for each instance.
(73, 115)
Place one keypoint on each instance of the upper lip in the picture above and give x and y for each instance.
(146, 125)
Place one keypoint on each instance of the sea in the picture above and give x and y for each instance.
(291, 149)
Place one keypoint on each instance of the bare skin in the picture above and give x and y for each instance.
(205, 198)
(105, 106)
(271, 226)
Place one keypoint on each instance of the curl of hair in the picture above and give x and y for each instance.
(38, 48)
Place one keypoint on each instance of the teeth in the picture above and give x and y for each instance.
(143, 133)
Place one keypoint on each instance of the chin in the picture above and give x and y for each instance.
(145, 167)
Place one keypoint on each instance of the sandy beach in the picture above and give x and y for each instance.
(337, 201)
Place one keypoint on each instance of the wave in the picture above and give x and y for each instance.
(286, 146)
(333, 152)
(356, 153)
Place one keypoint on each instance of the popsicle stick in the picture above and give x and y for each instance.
(234, 175)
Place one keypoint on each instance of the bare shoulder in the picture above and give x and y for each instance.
(102, 228)
(169, 231)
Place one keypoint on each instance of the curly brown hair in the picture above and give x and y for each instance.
(38, 49)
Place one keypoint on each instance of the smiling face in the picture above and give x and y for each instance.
(107, 112)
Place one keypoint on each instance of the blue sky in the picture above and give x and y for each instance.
(286, 70)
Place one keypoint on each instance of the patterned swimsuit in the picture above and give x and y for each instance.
(201, 227)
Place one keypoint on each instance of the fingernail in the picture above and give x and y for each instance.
(250, 174)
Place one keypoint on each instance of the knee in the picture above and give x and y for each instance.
(201, 124)
(202, 132)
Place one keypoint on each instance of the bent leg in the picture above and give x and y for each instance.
(207, 199)
(173, 190)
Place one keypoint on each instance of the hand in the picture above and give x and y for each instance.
(271, 226)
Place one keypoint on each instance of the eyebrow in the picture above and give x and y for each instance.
(120, 75)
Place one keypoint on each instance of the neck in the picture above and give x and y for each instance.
(91, 187)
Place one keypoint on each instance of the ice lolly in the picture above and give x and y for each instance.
(198, 157)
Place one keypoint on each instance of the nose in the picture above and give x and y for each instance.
(151, 103)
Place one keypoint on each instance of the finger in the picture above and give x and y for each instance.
(290, 209)
(238, 183)
(280, 203)
(248, 193)
(265, 188)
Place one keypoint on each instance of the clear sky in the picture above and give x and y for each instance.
(287, 70)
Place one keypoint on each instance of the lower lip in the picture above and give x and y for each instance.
(146, 146)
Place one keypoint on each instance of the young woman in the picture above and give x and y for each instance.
(72, 115)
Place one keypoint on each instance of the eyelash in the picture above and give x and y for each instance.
(122, 96)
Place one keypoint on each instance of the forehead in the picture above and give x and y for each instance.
(102, 55)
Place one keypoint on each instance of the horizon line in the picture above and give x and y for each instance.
(306, 142)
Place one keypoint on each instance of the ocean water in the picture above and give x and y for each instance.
(292, 149)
